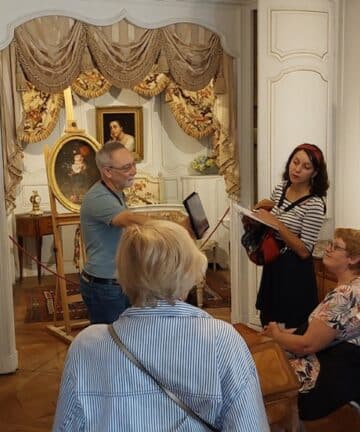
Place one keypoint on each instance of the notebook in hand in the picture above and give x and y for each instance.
(252, 215)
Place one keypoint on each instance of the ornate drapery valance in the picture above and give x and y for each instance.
(184, 60)
(123, 53)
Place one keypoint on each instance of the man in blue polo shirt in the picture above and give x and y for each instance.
(103, 215)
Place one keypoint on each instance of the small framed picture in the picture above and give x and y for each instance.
(72, 168)
(123, 124)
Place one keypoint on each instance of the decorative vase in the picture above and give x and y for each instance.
(210, 171)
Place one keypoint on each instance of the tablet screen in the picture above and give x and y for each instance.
(198, 219)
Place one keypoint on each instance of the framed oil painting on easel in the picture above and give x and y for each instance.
(72, 169)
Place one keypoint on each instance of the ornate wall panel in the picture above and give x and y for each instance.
(299, 32)
(299, 113)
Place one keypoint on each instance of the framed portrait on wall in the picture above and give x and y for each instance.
(123, 124)
(72, 169)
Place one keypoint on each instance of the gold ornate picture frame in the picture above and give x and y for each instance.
(123, 124)
(72, 169)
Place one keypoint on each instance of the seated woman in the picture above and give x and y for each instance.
(326, 351)
(202, 360)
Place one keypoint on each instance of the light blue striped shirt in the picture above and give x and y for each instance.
(202, 360)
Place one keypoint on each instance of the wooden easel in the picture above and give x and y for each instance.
(58, 221)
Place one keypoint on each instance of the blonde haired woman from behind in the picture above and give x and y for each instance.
(203, 361)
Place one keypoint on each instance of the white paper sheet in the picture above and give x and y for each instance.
(252, 214)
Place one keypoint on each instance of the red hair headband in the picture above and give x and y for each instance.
(315, 152)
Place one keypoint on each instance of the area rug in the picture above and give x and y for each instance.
(41, 306)
(41, 302)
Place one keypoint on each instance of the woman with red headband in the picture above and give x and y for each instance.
(288, 290)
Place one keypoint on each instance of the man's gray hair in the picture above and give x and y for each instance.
(103, 156)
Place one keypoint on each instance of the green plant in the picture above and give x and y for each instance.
(203, 163)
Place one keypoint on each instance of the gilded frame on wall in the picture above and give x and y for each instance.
(72, 169)
(124, 124)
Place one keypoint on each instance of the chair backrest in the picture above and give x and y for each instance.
(172, 212)
(146, 190)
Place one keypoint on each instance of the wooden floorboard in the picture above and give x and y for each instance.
(28, 397)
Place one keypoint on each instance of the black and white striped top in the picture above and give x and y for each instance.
(305, 220)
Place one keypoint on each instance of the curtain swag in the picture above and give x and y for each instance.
(50, 69)
(49, 54)
(54, 67)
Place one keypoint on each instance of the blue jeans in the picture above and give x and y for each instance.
(105, 302)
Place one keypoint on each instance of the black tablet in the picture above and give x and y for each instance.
(198, 219)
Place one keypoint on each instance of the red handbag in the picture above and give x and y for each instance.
(260, 243)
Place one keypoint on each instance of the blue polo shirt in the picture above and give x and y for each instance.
(100, 237)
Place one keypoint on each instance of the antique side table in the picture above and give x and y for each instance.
(35, 227)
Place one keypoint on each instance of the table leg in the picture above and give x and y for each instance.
(38, 254)
(20, 254)
(200, 294)
(214, 257)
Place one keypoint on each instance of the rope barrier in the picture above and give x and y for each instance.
(41, 264)
(76, 283)
(33, 258)
(216, 227)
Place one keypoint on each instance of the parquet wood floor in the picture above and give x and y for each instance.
(28, 397)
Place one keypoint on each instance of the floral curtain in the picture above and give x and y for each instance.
(184, 60)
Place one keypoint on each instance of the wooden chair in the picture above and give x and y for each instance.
(146, 190)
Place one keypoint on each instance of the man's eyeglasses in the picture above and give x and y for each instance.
(334, 247)
(124, 168)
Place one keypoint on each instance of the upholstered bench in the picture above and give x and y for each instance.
(278, 381)
(344, 419)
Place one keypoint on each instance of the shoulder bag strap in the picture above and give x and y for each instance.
(297, 202)
(281, 200)
(169, 393)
